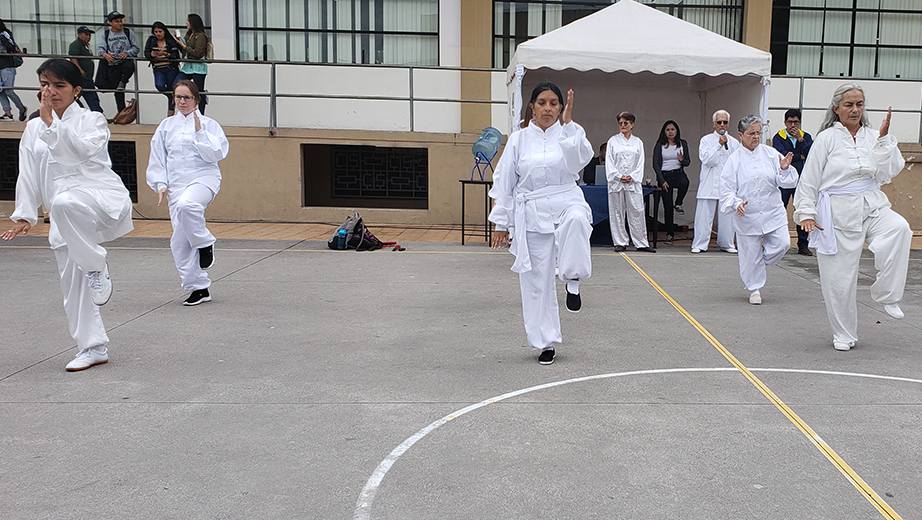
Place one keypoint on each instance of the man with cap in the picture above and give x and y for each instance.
(116, 44)
(81, 47)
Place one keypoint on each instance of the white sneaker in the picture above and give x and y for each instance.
(841, 345)
(100, 285)
(87, 358)
(679, 210)
(696, 250)
(893, 309)
(755, 298)
(731, 250)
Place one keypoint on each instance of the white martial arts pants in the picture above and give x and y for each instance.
(631, 202)
(187, 214)
(758, 251)
(888, 237)
(568, 246)
(704, 221)
(78, 217)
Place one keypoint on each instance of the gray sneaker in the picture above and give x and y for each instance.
(100, 285)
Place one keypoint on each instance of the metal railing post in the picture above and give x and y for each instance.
(412, 115)
(273, 106)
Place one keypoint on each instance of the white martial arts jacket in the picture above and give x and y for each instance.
(180, 156)
(836, 160)
(755, 176)
(713, 157)
(624, 157)
(71, 154)
(535, 182)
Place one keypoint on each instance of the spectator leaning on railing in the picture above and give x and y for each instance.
(81, 47)
(116, 44)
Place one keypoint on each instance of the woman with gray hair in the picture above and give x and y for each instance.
(839, 202)
(749, 191)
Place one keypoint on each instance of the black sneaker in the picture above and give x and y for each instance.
(206, 257)
(647, 249)
(120, 86)
(620, 248)
(547, 356)
(197, 297)
(574, 302)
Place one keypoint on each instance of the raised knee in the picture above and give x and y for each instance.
(63, 203)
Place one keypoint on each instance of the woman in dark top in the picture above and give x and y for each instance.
(670, 157)
(8, 76)
(161, 48)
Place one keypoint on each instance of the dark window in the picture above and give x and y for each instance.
(366, 176)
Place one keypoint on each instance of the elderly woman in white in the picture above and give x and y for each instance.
(749, 190)
(183, 166)
(535, 190)
(839, 202)
(624, 161)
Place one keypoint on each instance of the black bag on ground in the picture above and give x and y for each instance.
(353, 234)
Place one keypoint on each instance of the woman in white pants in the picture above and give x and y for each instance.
(839, 202)
(536, 194)
(64, 164)
(624, 169)
(749, 191)
(183, 166)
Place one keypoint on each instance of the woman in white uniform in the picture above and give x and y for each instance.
(624, 171)
(749, 190)
(64, 164)
(839, 202)
(183, 166)
(536, 194)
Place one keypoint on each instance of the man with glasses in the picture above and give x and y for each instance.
(794, 140)
(713, 150)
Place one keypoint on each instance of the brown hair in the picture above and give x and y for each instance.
(189, 85)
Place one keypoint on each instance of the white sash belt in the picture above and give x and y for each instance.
(519, 243)
(825, 241)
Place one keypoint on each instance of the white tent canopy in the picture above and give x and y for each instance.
(658, 67)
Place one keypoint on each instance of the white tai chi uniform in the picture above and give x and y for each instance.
(713, 157)
(185, 162)
(762, 235)
(852, 170)
(626, 157)
(535, 190)
(66, 167)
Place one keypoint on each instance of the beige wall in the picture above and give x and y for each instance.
(476, 52)
(757, 24)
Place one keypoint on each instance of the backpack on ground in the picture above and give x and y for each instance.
(353, 234)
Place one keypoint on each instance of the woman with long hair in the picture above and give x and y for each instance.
(163, 51)
(64, 164)
(195, 48)
(840, 203)
(183, 167)
(8, 76)
(536, 195)
(670, 157)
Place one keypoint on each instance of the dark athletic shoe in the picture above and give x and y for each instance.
(574, 302)
(547, 356)
(197, 297)
(620, 248)
(804, 251)
(647, 249)
(206, 257)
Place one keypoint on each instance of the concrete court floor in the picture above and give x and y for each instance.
(311, 368)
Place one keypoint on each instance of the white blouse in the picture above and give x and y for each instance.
(754, 177)
(71, 154)
(836, 159)
(624, 157)
(180, 156)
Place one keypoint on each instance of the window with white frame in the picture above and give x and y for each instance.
(393, 32)
(850, 38)
(519, 20)
(49, 26)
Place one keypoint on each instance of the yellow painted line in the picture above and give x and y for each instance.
(830, 454)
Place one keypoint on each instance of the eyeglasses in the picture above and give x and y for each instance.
(722, 122)
(753, 134)
(623, 123)
(793, 121)
(183, 98)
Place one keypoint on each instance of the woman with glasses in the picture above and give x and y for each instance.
(670, 157)
(839, 202)
(536, 194)
(749, 190)
(64, 164)
(183, 166)
(624, 169)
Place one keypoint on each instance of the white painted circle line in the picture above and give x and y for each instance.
(367, 497)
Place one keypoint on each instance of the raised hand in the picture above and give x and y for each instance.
(198, 122)
(785, 161)
(45, 110)
(885, 124)
(568, 110)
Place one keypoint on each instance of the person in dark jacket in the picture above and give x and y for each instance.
(163, 52)
(195, 49)
(589, 170)
(8, 76)
(794, 140)
(670, 157)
